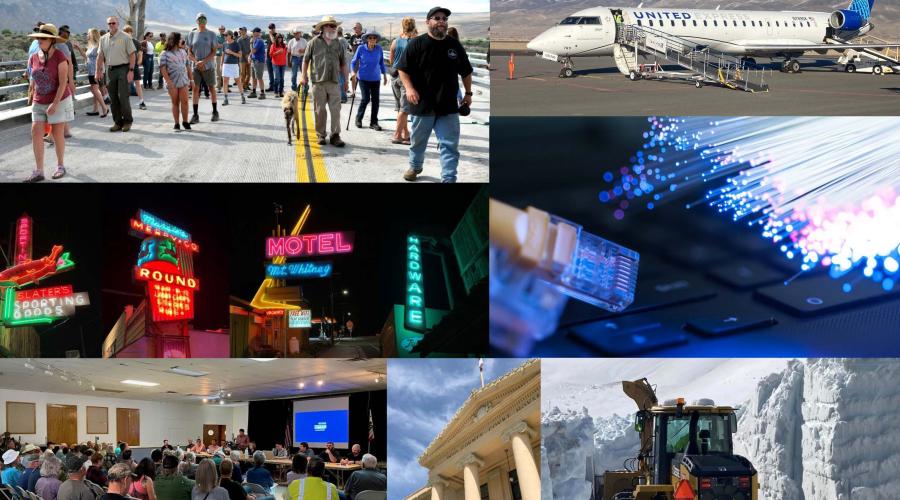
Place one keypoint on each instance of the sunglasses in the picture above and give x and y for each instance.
(329, 26)
(111, 24)
(439, 19)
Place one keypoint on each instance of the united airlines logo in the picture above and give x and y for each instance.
(662, 15)
(320, 427)
(861, 6)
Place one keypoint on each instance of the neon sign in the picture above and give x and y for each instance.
(22, 240)
(146, 224)
(275, 312)
(155, 222)
(36, 270)
(300, 318)
(44, 305)
(299, 270)
(305, 245)
(170, 302)
(414, 319)
(158, 276)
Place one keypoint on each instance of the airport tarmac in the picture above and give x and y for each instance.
(598, 89)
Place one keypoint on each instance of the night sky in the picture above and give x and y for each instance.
(63, 215)
(200, 210)
(380, 215)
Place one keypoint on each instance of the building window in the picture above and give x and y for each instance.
(514, 485)
(484, 492)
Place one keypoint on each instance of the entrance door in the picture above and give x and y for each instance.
(62, 424)
(213, 431)
(128, 426)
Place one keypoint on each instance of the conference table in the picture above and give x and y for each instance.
(283, 465)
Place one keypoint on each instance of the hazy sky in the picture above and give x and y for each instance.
(292, 8)
(423, 395)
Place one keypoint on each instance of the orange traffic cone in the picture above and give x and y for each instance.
(512, 66)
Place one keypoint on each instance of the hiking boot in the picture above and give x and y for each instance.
(322, 141)
(375, 126)
(358, 123)
(262, 96)
(225, 103)
(410, 175)
(336, 141)
(215, 116)
(126, 127)
(195, 119)
(252, 95)
(115, 128)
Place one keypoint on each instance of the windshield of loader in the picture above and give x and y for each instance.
(712, 434)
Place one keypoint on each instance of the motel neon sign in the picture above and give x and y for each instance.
(307, 245)
(299, 270)
(414, 319)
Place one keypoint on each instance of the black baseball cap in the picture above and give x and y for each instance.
(271, 26)
(257, 30)
(435, 10)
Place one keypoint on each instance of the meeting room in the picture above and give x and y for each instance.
(214, 429)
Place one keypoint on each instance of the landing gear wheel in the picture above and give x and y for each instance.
(568, 72)
(634, 76)
(851, 68)
(698, 84)
(793, 66)
(877, 70)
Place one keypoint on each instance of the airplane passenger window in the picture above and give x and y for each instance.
(673, 23)
(695, 22)
(777, 25)
(684, 23)
(735, 23)
(715, 23)
(570, 20)
(705, 23)
(753, 23)
(745, 23)
(808, 24)
(640, 23)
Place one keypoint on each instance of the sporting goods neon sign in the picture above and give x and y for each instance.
(22, 238)
(41, 306)
(414, 319)
(305, 245)
(299, 270)
(158, 276)
(36, 270)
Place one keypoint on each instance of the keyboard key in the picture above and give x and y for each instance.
(653, 294)
(746, 274)
(823, 294)
(628, 335)
(725, 325)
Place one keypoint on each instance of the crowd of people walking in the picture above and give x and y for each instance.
(425, 72)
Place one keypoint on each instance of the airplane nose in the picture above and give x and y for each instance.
(538, 43)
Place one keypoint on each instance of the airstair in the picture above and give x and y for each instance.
(702, 64)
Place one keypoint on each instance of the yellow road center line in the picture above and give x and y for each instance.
(308, 158)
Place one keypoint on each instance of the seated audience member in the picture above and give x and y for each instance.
(355, 456)
(157, 456)
(313, 486)
(165, 445)
(234, 489)
(125, 458)
(259, 474)
(235, 457)
(207, 484)
(171, 485)
(110, 458)
(75, 488)
(306, 450)
(298, 468)
(279, 451)
(30, 457)
(47, 486)
(95, 473)
(121, 480)
(329, 454)
(367, 478)
(142, 486)
(11, 472)
(242, 441)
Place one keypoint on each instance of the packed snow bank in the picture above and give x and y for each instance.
(826, 429)
(568, 439)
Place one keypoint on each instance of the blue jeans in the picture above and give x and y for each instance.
(271, 73)
(148, 71)
(279, 78)
(446, 128)
(369, 92)
(342, 83)
(296, 65)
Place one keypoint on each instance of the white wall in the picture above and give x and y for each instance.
(173, 421)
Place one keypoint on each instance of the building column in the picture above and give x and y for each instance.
(438, 485)
(520, 435)
(471, 465)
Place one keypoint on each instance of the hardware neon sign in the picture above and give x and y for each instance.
(23, 236)
(310, 244)
(36, 270)
(158, 276)
(414, 318)
(41, 306)
(299, 270)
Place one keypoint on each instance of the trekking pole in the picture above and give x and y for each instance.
(350, 116)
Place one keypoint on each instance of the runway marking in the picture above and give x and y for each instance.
(535, 78)
(309, 160)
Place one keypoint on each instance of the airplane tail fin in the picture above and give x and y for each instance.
(862, 7)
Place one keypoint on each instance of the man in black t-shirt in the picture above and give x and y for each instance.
(430, 68)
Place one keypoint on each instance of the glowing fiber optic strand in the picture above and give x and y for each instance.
(824, 189)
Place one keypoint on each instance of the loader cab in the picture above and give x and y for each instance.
(690, 431)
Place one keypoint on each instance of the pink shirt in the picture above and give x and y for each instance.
(45, 75)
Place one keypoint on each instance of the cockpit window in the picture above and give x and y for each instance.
(589, 20)
(570, 20)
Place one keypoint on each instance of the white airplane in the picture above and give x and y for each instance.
(743, 33)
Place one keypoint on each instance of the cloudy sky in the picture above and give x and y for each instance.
(291, 8)
(422, 397)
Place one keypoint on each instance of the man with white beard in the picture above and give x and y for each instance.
(324, 63)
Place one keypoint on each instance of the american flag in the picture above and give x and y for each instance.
(371, 426)
(481, 370)
(288, 435)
